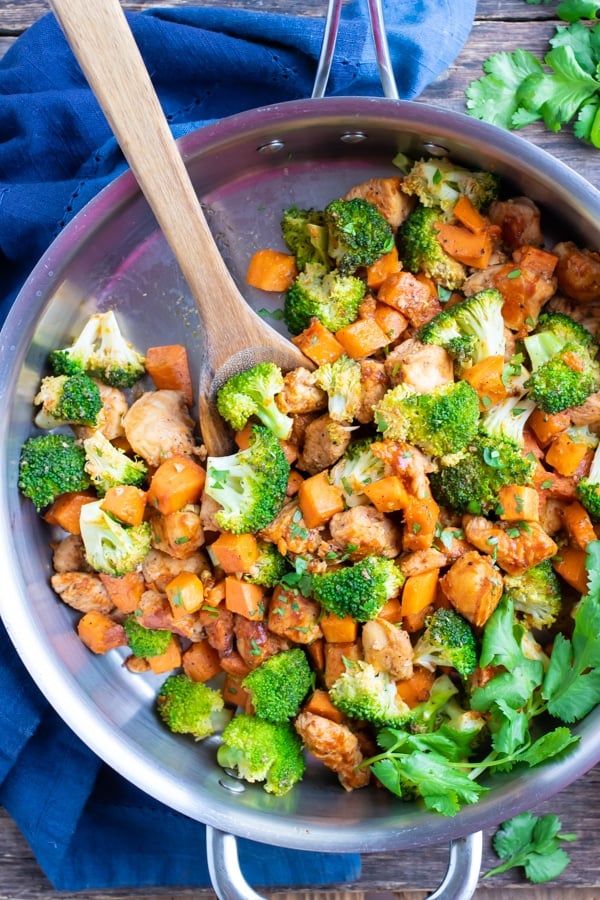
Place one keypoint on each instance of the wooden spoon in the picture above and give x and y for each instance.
(235, 338)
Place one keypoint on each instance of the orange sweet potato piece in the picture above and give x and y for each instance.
(271, 270)
(420, 519)
(235, 553)
(541, 262)
(391, 321)
(320, 705)
(578, 524)
(362, 338)
(566, 455)
(185, 594)
(233, 692)
(519, 503)
(569, 562)
(126, 502)
(413, 296)
(169, 369)
(178, 480)
(485, 377)
(335, 656)
(416, 689)
(167, 661)
(100, 633)
(382, 268)
(419, 591)
(387, 494)
(471, 248)
(248, 600)
(319, 500)
(338, 629)
(545, 426)
(318, 343)
(125, 591)
(391, 611)
(66, 510)
(201, 661)
(468, 216)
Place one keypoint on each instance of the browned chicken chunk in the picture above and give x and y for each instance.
(388, 648)
(473, 585)
(300, 394)
(158, 425)
(512, 552)
(336, 746)
(422, 367)
(82, 591)
(578, 272)
(366, 531)
(519, 221)
(254, 642)
(324, 442)
(387, 196)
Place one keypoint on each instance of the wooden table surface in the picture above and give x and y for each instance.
(499, 25)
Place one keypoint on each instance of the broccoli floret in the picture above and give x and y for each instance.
(269, 568)
(536, 595)
(563, 374)
(261, 751)
(440, 182)
(588, 488)
(76, 358)
(566, 329)
(306, 236)
(279, 685)
(356, 468)
(439, 423)
(329, 296)
(108, 466)
(425, 717)
(359, 590)
(252, 393)
(470, 330)
(249, 485)
(191, 707)
(101, 351)
(145, 642)
(469, 481)
(508, 418)
(358, 234)
(366, 694)
(67, 400)
(421, 251)
(110, 547)
(448, 640)
(51, 465)
(341, 380)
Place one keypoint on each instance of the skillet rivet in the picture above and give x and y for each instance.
(272, 147)
(232, 784)
(435, 149)
(353, 137)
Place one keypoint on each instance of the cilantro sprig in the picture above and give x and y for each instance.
(563, 88)
(442, 767)
(532, 842)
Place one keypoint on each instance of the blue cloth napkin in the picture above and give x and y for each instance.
(88, 827)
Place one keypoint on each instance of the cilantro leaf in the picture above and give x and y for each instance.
(532, 842)
(496, 97)
(573, 10)
(441, 787)
(560, 95)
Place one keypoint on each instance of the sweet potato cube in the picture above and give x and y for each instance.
(100, 633)
(169, 369)
(566, 455)
(391, 321)
(201, 661)
(167, 661)
(318, 343)
(519, 503)
(246, 599)
(185, 594)
(362, 338)
(382, 268)
(569, 562)
(66, 510)
(320, 704)
(387, 494)
(319, 500)
(126, 502)
(178, 481)
(235, 553)
(338, 629)
(419, 591)
(271, 270)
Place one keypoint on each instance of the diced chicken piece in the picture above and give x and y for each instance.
(180, 533)
(513, 552)
(386, 194)
(578, 272)
(422, 561)
(373, 385)
(69, 555)
(294, 617)
(208, 510)
(324, 442)
(587, 314)
(519, 221)
(289, 533)
(110, 418)
(588, 413)
(255, 643)
(154, 611)
(551, 515)
(473, 585)
(218, 624)
(82, 591)
(388, 649)
(159, 568)
(158, 425)
(481, 280)
(525, 292)
(336, 746)
(423, 367)
(408, 462)
(300, 394)
(367, 531)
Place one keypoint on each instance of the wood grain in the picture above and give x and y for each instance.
(499, 25)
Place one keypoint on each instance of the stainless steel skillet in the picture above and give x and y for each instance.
(246, 169)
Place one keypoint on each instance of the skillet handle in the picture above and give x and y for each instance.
(229, 883)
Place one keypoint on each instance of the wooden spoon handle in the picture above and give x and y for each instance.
(101, 39)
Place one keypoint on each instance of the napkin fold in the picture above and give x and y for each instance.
(88, 827)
